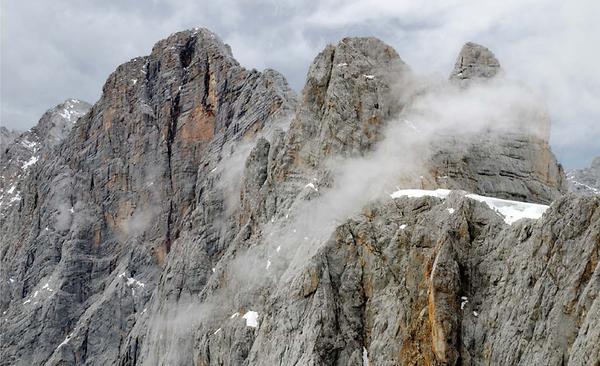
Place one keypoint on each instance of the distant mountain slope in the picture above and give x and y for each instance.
(6, 137)
(586, 180)
(27, 148)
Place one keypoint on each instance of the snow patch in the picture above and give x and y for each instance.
(132, 281)
(29, 144)
(310, 185)
(65, 341)
(365, 357)
(511, 211)
(251, 319)
(369, 77)
(342, 64)
(450, 210)
(217, 331)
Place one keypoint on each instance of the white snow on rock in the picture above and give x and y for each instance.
(512, 211)
(588, 187)
(132, 281)
(403, 226)
(268, 264)
(342, 64)
(251, 319)
(310, 185)
(450, 210)
(29, 144)
(234, 315)
(65, 341)
(365, 357)
(217, 331)
(439, 193)
(30, 162)
(369, 77)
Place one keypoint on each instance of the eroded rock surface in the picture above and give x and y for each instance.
(199, 214)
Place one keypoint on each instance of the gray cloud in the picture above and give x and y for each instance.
(65, 48)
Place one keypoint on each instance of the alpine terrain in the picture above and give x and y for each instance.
(200, 213)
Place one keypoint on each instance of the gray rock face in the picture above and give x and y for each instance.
(6, 137)
(27, 148)
(183, 222)
(97, 221)
(475, 62)
(587, 180)
(514, 163)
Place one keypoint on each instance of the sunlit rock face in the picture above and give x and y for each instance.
(201, 213)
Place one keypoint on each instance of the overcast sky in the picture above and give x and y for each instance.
(54, 50)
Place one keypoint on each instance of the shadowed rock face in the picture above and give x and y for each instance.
(195, 194)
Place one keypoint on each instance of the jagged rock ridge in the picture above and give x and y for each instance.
(587, 180)
(140, 246)
(27, 148)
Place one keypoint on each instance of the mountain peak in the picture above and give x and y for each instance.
(475, 62)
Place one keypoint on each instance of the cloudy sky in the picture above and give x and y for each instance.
(54, 50)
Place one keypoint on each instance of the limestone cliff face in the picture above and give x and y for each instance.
(114, 196)
(188, 219)
(514, 163)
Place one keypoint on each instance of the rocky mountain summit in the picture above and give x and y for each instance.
(587, 180)
(24, 150)
(202, 213)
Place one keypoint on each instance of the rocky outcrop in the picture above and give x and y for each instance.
(27, 148)
(512, 160)
(475, 62)
(6, 137)
(586, 180)
(200, 214)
